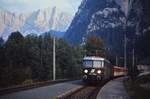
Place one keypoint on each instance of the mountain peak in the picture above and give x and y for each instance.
(37, 22)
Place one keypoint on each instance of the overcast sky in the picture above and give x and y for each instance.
(21, 6)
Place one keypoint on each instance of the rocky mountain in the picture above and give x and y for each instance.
(104, 18)
(35, 22)
(110, 20)
(139, 16)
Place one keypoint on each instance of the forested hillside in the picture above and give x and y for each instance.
(29, 59)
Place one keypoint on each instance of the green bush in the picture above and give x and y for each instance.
(28, 81)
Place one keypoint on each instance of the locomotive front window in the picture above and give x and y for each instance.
(97, 64)
(87, 63)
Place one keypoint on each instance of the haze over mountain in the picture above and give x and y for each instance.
(36, 22)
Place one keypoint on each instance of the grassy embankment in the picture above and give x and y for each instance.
(134, 88)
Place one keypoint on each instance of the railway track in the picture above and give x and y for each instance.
(88, 92)
(85, 92)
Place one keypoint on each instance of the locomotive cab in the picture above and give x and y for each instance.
(95, 69)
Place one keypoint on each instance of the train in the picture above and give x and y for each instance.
(119, 71)
(97, 69)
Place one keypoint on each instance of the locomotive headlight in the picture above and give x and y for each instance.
(85, 71)
(99, 71)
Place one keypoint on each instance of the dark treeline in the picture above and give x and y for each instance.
(95, 47)
(142, 48)
(30, 59)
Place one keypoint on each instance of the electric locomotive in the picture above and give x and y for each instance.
(96, 69)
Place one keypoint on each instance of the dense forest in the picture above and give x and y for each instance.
(30, 59)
